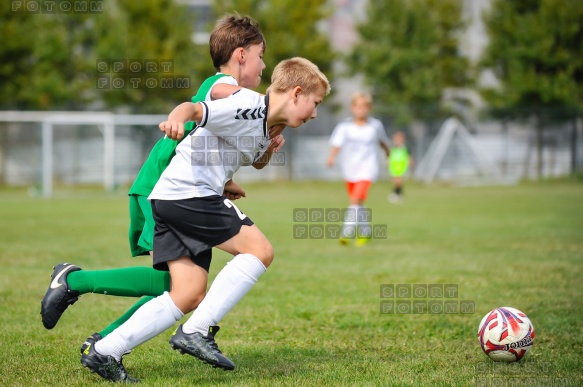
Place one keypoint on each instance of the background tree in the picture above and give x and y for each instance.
(291, 28)
(408, 54)
(49, 61)
(536, 51)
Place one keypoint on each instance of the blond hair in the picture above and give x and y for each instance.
(297, 71)
(361, 95)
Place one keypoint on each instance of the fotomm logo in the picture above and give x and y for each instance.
(54, 7)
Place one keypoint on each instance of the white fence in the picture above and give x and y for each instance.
(41, 148)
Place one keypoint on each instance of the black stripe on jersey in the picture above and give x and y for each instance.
(205, 114)
(265, 116)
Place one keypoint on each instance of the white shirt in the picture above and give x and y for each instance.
(236, 135)
(359, 148)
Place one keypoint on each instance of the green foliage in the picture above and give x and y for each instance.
(49, 61)
(536, 51)
(290, 28)
(408, 54)
(313, 319)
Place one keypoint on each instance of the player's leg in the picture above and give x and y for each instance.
(95, 337)
(363, 227)
(225, 227)
(397, 169)
(68, 282)
(252, 255)
(128, 282)
(396, 196)
(151, 319)
(348, 231)
(156, 315)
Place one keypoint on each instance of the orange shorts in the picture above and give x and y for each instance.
(358, 189)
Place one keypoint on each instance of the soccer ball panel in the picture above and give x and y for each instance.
(506, 334)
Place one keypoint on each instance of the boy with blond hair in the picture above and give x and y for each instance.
(191, 216)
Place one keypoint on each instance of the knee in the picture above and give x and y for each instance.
(195, 300)
(265, 254)
(187, 302)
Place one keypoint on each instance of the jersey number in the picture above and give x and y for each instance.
(230, 204)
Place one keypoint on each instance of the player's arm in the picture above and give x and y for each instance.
(332, 156)
(274, 146)
(233, 191)
(385, 148)
(223, 90)
(174, 126)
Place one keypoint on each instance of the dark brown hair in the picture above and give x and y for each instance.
(231, 32)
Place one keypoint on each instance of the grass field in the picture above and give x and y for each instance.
(314, 319)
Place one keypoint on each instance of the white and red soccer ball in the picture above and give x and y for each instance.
(506, 334)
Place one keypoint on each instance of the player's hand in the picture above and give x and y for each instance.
(276, 143)
(233, 191)
(330, 162)
(173, 129)
(276, 130)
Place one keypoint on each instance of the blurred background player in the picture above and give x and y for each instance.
(358, 140)
(399, 163)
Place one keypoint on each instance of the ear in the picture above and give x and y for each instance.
(296, 91)
(241, 53)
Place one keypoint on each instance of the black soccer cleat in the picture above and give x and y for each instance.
(91, 340)
(202, 347)
(105, 366)
(58, 296)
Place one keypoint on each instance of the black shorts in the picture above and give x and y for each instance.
(191, 227)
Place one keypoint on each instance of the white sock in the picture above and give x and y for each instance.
(350, 221)
(228, 288)
(363, 227)
(151, 319)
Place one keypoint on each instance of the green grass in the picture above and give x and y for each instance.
(314, 318)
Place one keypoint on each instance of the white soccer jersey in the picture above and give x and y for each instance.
(236, 135)
(359, 148)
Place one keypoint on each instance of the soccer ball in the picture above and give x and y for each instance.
(506, 334)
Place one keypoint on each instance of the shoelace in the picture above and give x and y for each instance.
(212, 344)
